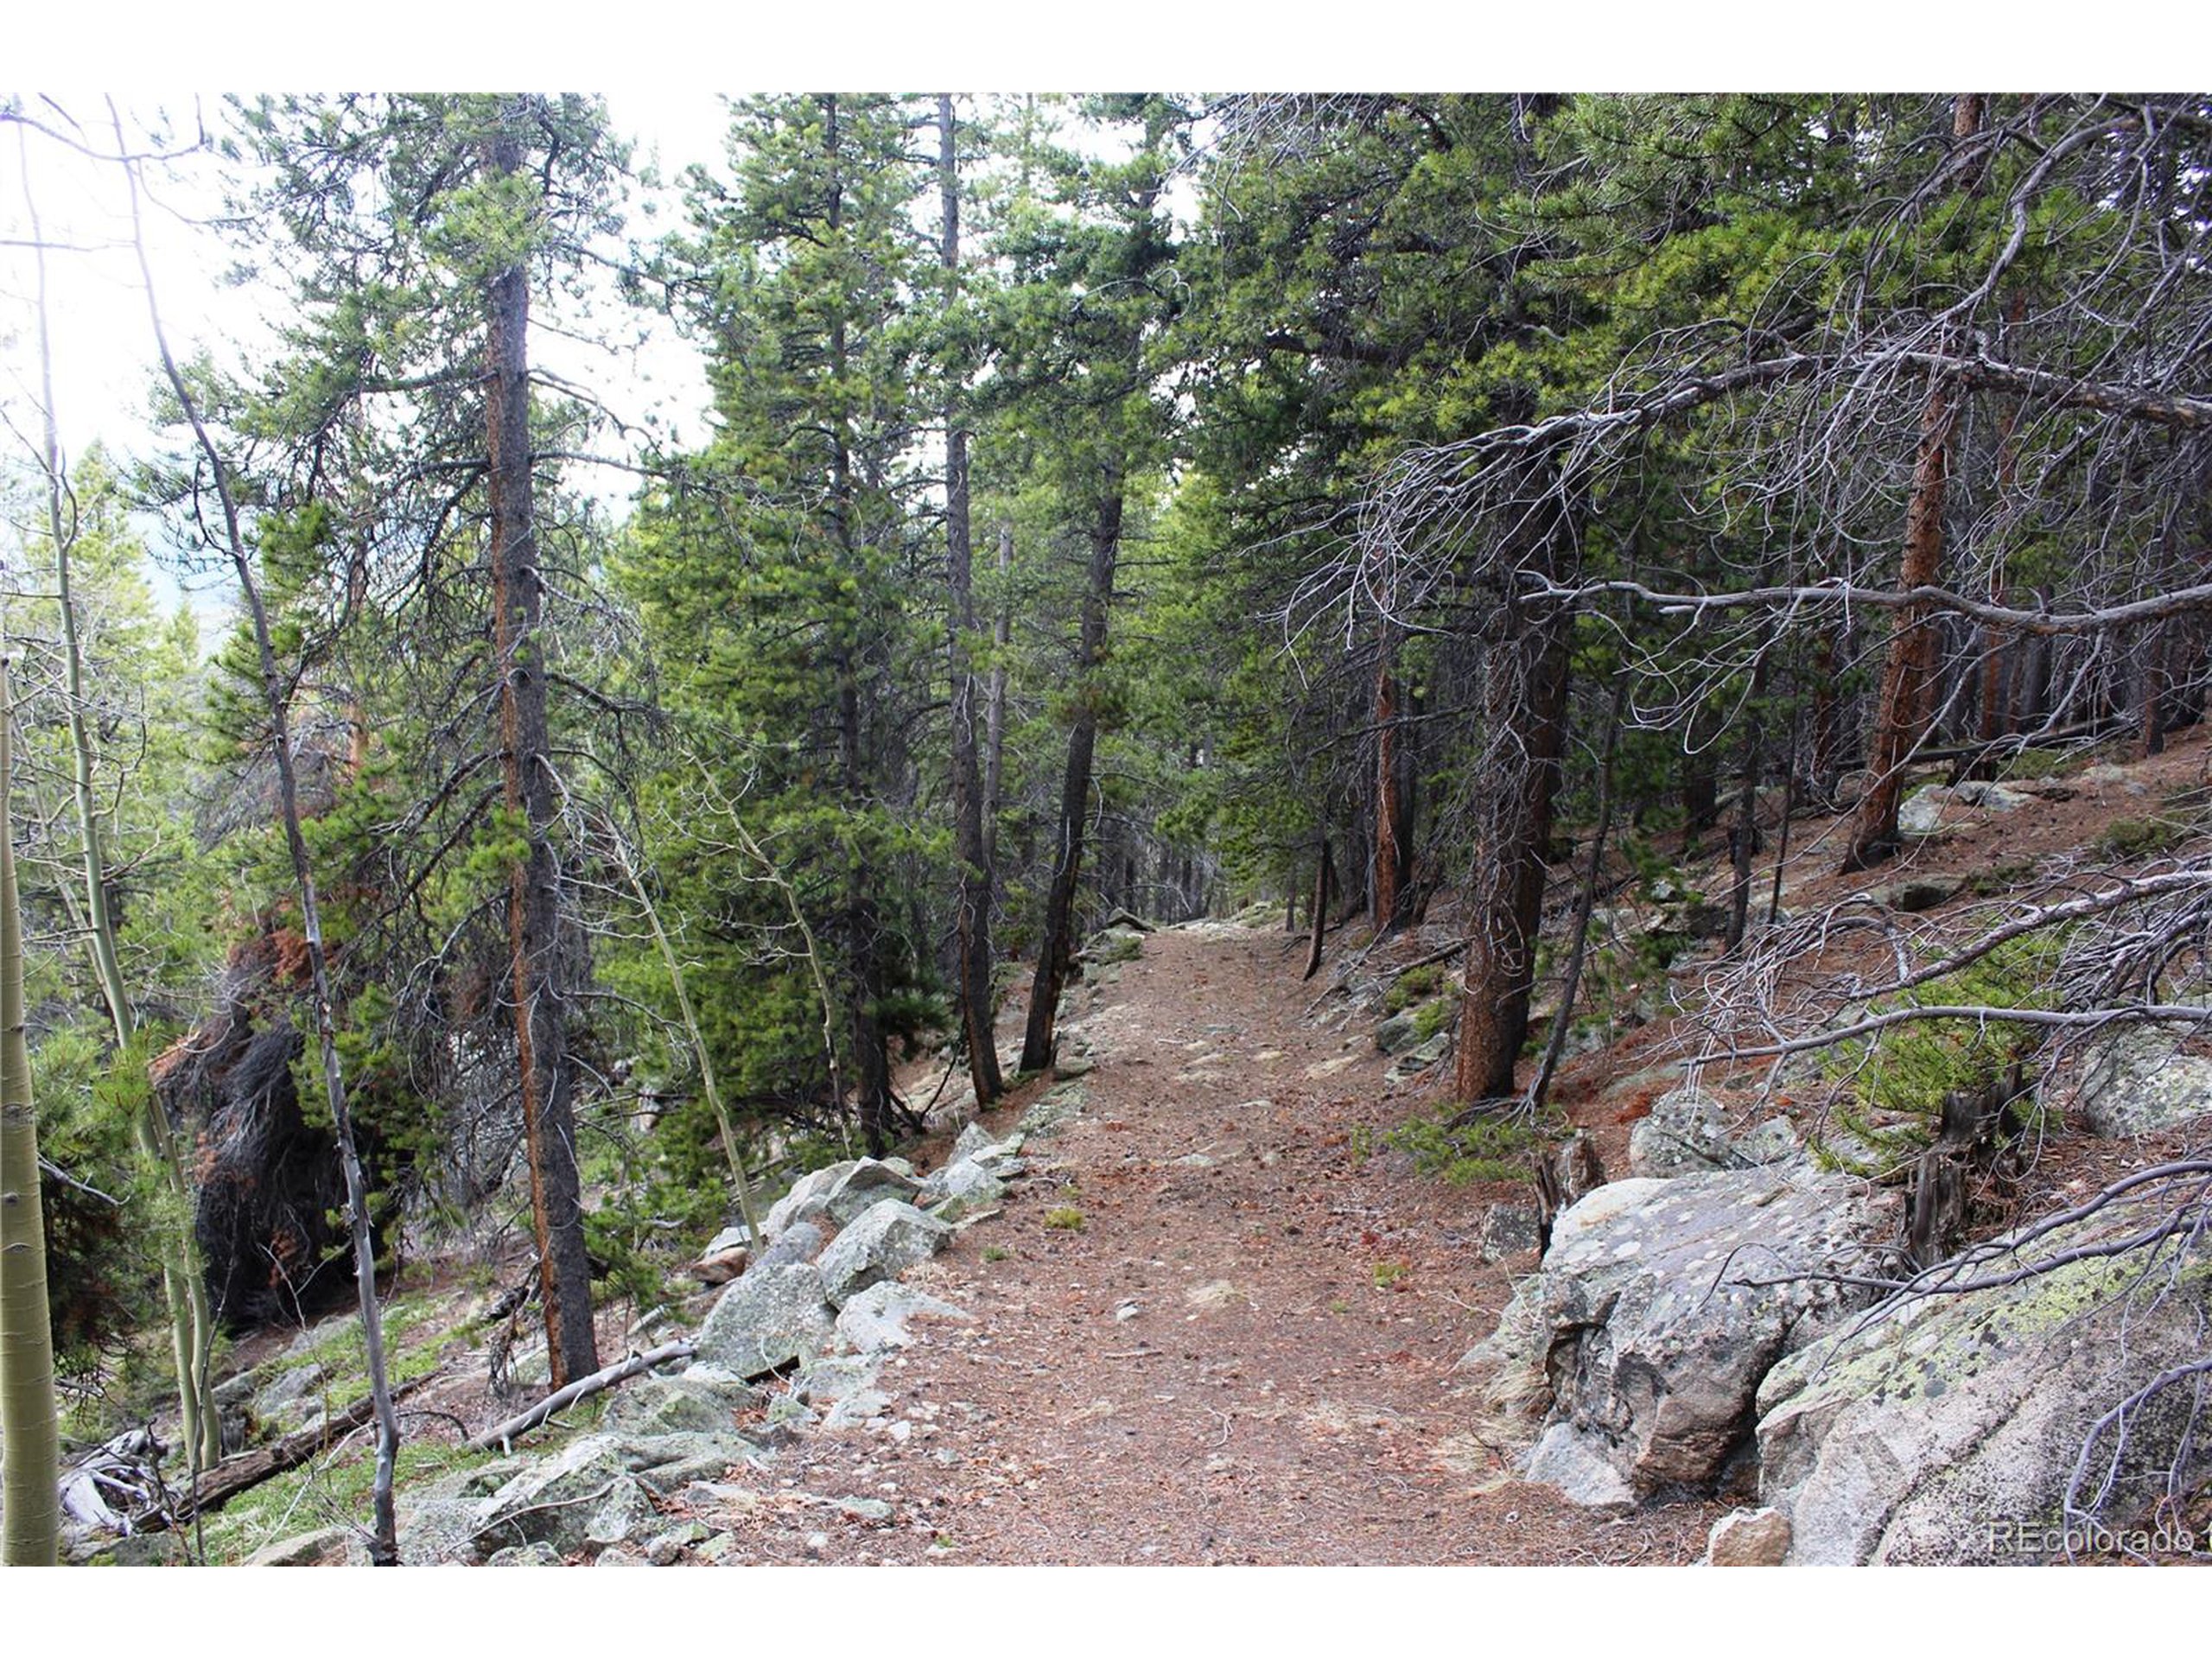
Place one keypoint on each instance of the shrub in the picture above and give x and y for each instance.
(1486, 1149)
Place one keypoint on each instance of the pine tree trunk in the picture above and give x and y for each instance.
(1389, 856)
(1902, 706)
(974, 923)
(30, 1445)
(544, 1074)
(1525, 692)
(1055, 947)
(994, 707)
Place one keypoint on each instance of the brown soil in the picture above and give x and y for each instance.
(1247, 1360)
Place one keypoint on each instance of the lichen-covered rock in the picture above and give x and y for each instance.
(1113, 944)
(669, 1462)
(624, 1513)
(960, 1189)
(1416, 1061)
(551, 1501)
(670, 1405)
(766, 1319)
(1666, 1302)
(533, 1554)
(868, 1183)
(293, 1399)
(307, 1550)
(1947, 1430)
(883, 1242)
(807, 1198)
(1931, 809)
(2137, 1081)
(1508, 1230)
(876, 1319)
(1686, 1130)
(1053, 1109)
(800, 1241)
(977, 1145)
(1397, 1034)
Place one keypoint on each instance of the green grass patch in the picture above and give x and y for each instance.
(1065, 1219)
(333, 1491)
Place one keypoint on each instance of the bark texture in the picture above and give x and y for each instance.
(543, 1070)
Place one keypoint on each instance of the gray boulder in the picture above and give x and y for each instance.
(1947, 1429)
(800, 1241)
(1113, 944)
(668, 1463)
(766, 1319)
(525, 1556)
(1929, 810)
(886, 1239)
(1685, 1130)
(1664, 1303)
(977, 1145)
(552, 1502)
(1416, 1061)
(868, 1183)
(626, 1512)
(806, 1200)
(1508, 1230)
(1052, 1109)
(326, 1544)
(1688, 1130)
(876, 1318)
(2137, 1081)
(1397, 1034)
(293, 1399)
(1579, 1468)
(840, 1193)
(673, 1405)
(960, 1189)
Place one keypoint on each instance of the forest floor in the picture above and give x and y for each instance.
(1241, 1352)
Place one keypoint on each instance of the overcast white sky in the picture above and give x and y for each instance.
(654, 68)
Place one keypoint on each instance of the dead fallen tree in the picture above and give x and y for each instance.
(248, 1470)
(499, 1436)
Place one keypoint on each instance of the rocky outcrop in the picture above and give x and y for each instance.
(1113, 944)
(2138, 1082)
(1949, 1428)
(1688, 1130)
(840, 1193)
(887, 1239)
(1934, 808)
(960, 1189)
(1662, 1305)
(875, 1321)
(766, 1319)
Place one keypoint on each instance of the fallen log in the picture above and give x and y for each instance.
(219, 1485)
(498, 1437)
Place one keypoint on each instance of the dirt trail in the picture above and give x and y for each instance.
(1243, 1354)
